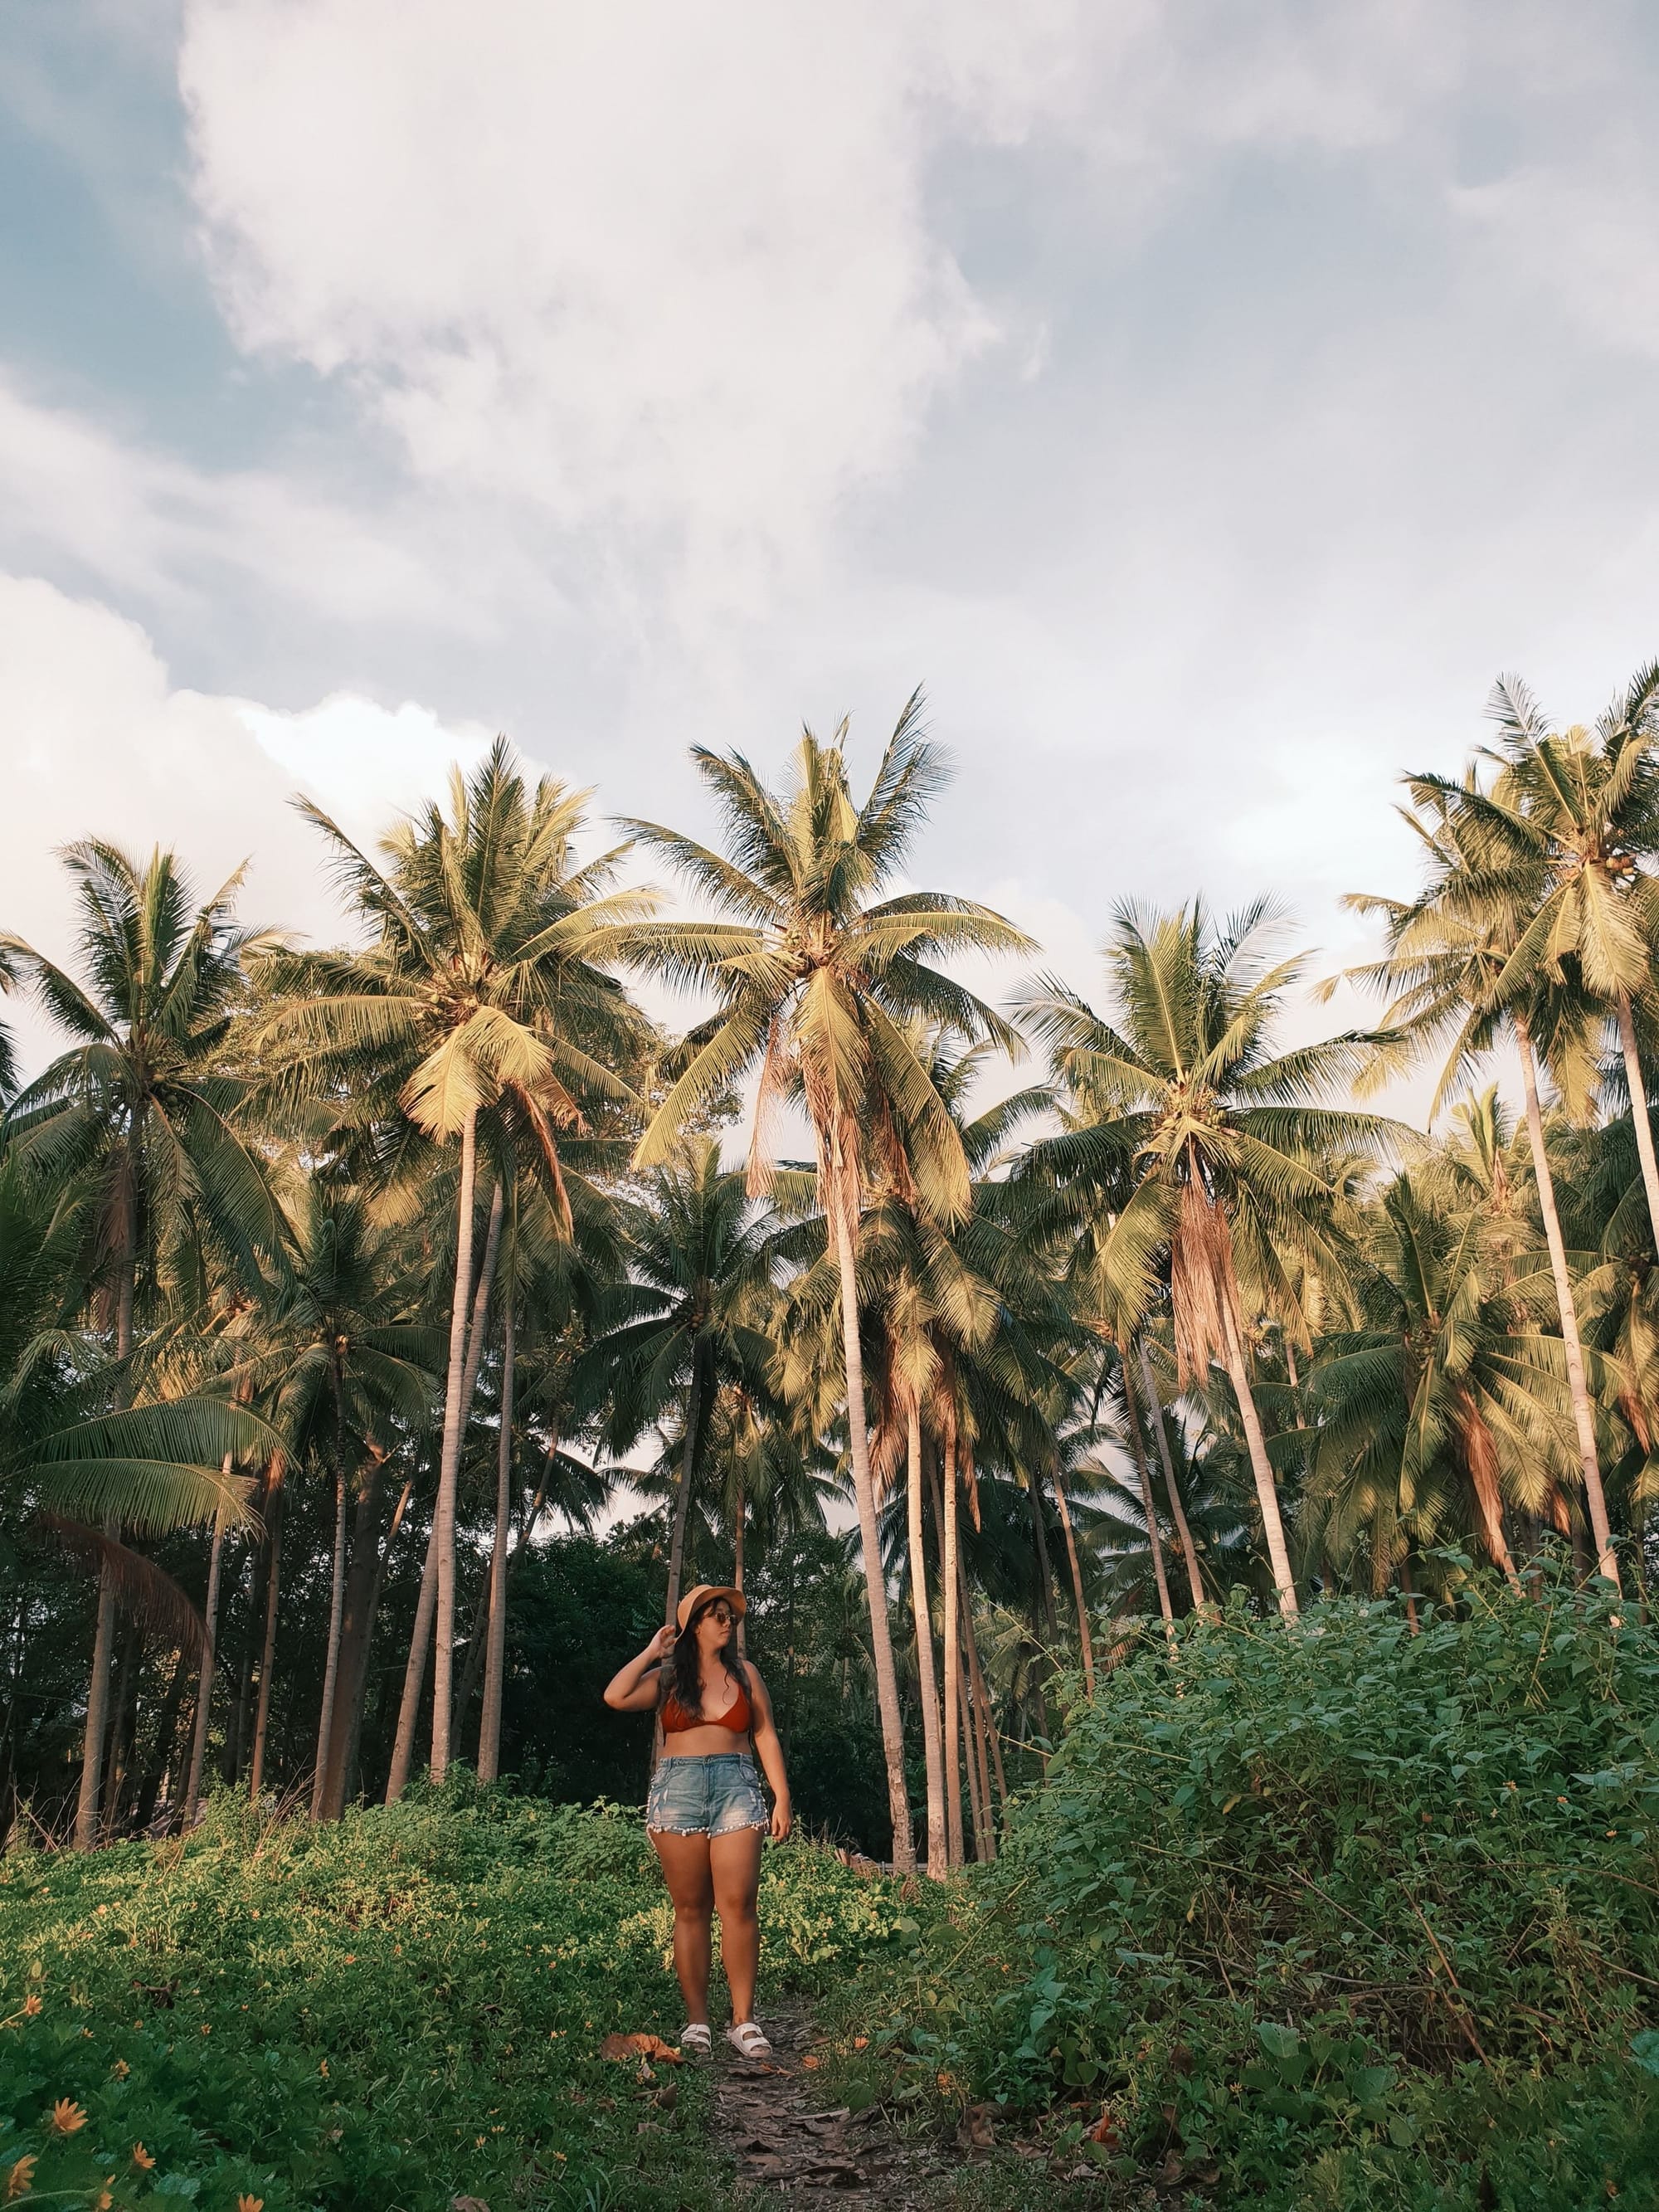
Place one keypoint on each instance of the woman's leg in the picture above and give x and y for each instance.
(685, 1869)
(734, 1861)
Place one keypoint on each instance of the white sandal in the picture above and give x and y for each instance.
(696, 2039)
(746, 2039)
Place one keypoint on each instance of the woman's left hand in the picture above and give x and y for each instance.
(781, 1821)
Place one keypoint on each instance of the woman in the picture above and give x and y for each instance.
(705, 1813)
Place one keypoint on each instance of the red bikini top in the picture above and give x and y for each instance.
(736, 1717)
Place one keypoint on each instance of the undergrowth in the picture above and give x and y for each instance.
(1322, 1917)
(381, 2016)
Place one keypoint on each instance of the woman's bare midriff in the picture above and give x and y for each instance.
(707, 1743)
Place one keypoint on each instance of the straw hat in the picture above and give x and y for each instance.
(705, 1594)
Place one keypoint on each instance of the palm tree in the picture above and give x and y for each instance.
(482, 993)
(1586, 804)
(819, 981)
(1445, 1400)
(1201, 1141)
(346, 1361)
(143, 1105)
(1455, 969)
(688, 1322)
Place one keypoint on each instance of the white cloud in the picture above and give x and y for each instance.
(166, 532)
(99, 743)
(678, 273)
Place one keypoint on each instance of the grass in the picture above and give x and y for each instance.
(378, 2016)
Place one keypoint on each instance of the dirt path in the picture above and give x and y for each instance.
(771, 2117)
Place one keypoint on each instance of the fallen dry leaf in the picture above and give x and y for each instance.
(467, 2204)
(808, 2064)
(639, 2046)
(1104, 2132)
(975, 2131)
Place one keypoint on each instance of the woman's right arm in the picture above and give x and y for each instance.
(632, 1688)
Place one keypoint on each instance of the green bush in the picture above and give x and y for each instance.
(1332, 1915)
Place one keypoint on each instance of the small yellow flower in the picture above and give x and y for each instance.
(104, 2197)
(206, 2030)
(142, 2157)
(120, 2069)
(323, 2070)
(21, 2179)
(65, 2117)
(32, 2005)
(250, 2204)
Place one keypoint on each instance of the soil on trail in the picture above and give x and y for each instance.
(771, 2116)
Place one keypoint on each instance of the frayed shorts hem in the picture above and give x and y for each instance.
(733, 1828)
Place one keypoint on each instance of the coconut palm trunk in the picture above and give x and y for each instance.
(694, 1418)
(103, 1637)
(944, 1516)
(990, 1744)
(1137, 1445)
(1084, 1636)
(1638, 1112)
(420, 1641)
(937, 1846)
(1188, 1553)
(1266, 1491)
(490, 1725)
(331, 1660)
(450, 1463)
(273, 1489)
(205, 1684)
(1584, 1419)
(857, 1436)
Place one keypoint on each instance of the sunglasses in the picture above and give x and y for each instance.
(722, 1613)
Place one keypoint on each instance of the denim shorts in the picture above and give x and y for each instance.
(716, 1796)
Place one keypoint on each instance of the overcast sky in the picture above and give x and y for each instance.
(1206, 402)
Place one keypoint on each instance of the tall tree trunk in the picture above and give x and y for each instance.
(103, 1634)
(420, 1642)
(938, 1848)
(982, 1698)
(944, 1516)
(1638, 1112)
(1084, 1636)
(209, 1660)
(489, 1726)
(738, 1520)
(1188, 1553)
(161, 1756)
(362, 1558)
(122, 1722)
(450, 1462)
(331, 1659)
(236, 1733)
(358, 1680)
(1045, 1572)
(268, 1654)
(1138, 1446)
(1266, 1491)
(1584, 1419)
(857, 1436)
(693, 1415)
(92, 1754)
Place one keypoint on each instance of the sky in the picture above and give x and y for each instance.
(1204, 403)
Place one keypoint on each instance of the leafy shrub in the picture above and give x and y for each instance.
(1333, 1914)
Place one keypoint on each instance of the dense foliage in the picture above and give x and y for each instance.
(1343, 1917)
(396, 2010)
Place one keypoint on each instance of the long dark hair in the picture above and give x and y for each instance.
(681, 1678)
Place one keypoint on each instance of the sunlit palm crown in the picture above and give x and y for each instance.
(147, 1092)
(485, 983)
(817, 978)
(1181, 1090)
